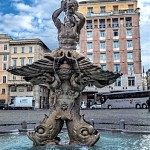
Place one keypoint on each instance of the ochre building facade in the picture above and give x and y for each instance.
(17, 53)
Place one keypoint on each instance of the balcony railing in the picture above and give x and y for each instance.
(123, 11)
(102, 26)
(129, 24)
(89, 27)
(17, 82)
(115, 24)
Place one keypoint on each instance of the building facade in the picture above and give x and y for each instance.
(4, 64)
(111, 38)
(23, 52)
(148, 79)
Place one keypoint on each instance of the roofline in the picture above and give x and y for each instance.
(29, 41)
(103, 1)
(5, 36)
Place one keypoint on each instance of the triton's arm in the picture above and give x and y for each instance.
(56, 13)
(81, 20)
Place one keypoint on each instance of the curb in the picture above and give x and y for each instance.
(17, 131)
(124, 131)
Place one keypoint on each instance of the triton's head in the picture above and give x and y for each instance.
(71, 6)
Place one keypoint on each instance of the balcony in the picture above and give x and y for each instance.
(115, 25)
(89, 27)
(100, 14)
(18, 82)
(129, 24)
(122, 11)
(102, 26)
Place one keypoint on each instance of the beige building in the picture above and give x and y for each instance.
(4, 63)
(23, 52)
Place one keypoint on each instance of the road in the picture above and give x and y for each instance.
(135, 119)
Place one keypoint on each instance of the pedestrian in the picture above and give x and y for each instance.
(148, 104)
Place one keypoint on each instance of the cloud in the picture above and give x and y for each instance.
(31, 19)
(144, 6)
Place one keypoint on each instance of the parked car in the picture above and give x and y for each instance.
(83, 105)
(96, 106)
(3, 106)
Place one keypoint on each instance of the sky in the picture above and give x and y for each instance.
(32, 19)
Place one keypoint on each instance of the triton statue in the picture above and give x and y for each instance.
(66, 73)
(68, 32)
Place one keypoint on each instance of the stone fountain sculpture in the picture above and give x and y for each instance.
(66, 72)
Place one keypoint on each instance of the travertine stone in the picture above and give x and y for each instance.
(66, 73)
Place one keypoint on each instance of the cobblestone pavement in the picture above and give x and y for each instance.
(135, 119)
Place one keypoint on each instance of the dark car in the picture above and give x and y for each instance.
(3, 106)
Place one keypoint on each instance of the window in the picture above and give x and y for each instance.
(130, 67)
(103, 10)
(115, 32)
(102, 45)
(118, 82)
(4, 66)
(22, 49)
(89, 24)
(116, 44)
(30, 61)
(115, 9)
(30, 49)
(14, 77)
(5, 58)
(5, 47)
(90, 10)
(103, 67)
(22, 78)
(15, 50)
(116, 56)
(128, 22)
(115, 23)
(89, 46)
(21, 90)
(14, 62)
(131, 10)
(102, 33)
(130, 55)
(117, 68)
(22, 61)
(102, 23)
(103, 57)
(131, 81)
(89, 34)
(13, 89)
(4, 79)
(3, 91)
(90, 57)
(29, 88)
(129, 32)
(129, 43)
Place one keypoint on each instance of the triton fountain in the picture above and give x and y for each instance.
(66, 72)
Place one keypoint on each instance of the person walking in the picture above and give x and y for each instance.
(148, 104)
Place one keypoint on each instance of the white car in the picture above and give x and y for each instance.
(83, 105)
(95, 106)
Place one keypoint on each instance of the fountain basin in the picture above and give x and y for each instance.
(109, 140)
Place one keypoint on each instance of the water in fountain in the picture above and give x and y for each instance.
(109, 141)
